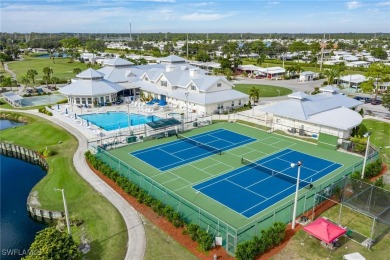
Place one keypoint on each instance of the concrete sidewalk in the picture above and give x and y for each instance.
(136, 233)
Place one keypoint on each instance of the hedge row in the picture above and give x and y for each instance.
(270, 237)
(44, 111)
(204, 239)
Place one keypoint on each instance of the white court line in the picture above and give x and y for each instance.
(242, 187)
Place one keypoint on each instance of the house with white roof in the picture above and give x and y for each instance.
(352, 81)
(271, 72)
(191, 89)
(358, 64)
(308, 115)
(90, 89)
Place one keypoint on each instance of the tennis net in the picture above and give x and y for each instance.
(199, 144)
(277, 174)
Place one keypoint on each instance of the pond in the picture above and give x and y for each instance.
(17, 178)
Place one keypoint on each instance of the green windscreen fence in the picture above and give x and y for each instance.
(327, 141)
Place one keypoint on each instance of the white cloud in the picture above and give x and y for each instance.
(201, 17)
(273, 3)
(353, 5)
(201, 4)
(383, 4)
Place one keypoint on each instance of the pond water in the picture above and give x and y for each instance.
(17, 178)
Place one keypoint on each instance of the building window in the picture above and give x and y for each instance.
(193, 87)
(77, 100)
(233, 103)
(89, 100)
(219, 85)
(83, 101)
(107, 98)
(239, 102)
(163, 83)
(220, 106)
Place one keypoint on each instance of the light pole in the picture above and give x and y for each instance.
(66, 209)
(299, 164)
(368, 134)
(186, 106)
(278, 94)
(128, 118)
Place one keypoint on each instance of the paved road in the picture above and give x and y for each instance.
(135, 229)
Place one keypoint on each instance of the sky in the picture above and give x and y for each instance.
(194, 16)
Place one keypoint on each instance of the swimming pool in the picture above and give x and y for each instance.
(116, 120)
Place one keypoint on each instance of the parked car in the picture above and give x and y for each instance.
(376, 102)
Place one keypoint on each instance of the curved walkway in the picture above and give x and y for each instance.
(136, 233)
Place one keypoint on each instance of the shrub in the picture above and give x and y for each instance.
(379, 182)
(270, 237)
(193, 231)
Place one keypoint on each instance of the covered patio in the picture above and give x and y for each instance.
(13, 99)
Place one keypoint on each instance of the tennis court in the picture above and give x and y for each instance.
(185, 150)
(224, 194)
(260, 184)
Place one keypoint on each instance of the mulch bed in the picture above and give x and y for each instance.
(384, 170)
(162, 223)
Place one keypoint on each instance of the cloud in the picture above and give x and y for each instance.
(353, 5)
(273, 3)
(383, 4)
(202, 17)
(201, 4)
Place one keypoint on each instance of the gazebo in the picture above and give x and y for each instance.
(91, 89)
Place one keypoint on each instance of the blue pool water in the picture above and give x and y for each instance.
(117, 120)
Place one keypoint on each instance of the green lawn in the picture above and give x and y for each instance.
(62, 68)
(103, 225)
(265, 90)
(380, 137)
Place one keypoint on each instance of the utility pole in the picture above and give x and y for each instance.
(187, 46)
(130, 39)
(322, 52)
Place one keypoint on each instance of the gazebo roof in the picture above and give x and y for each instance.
(324, 230)
(90, 74)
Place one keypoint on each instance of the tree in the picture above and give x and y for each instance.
(386, 101)
(31, 74)
(55, 80)
(95, 46)
(6, 81)
(47, 71)
(379, 73)
(254, 94)
(50, 243)
(260, 59)
(331, 75)
(76, 71)
(202, 56)
(25, 80)
(71, 44)
(379, 53)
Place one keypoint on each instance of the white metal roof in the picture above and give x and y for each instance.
(90, 88)
(199, 98)
(340, 118)
(303, 109)
(90, 74)
(355, 78)
(118, 62)
(12, 96)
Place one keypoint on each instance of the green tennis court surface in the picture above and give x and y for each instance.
(180, 180)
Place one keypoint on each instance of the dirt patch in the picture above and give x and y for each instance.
(165, 225)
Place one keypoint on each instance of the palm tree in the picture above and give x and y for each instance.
(25, 80)
(260, 59)
(31, 74)
(47, 71)
(331, 75)
(254, 94)
(55, 80)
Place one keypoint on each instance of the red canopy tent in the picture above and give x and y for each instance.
(324, 230)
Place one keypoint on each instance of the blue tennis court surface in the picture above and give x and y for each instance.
(248, 190)
(173, 154)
